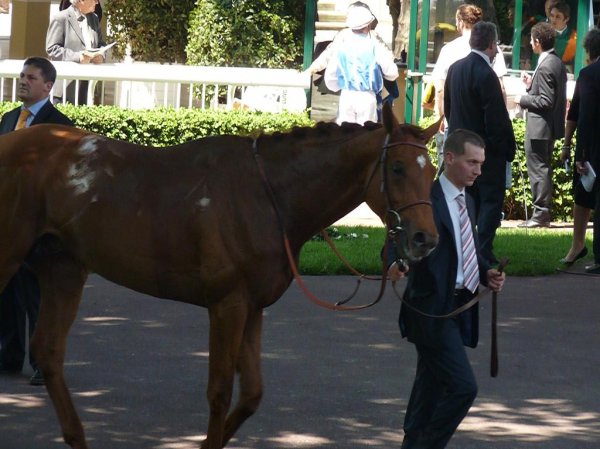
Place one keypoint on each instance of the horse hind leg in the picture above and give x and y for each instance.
(61, 280)
(249, 368)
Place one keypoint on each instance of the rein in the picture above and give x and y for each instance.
(395, 232)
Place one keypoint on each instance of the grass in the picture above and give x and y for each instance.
(531, 252)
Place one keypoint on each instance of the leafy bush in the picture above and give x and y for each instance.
(246, 33)
(156, 31)
(562, 202)
(167, 126)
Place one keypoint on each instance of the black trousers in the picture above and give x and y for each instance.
(20, 299)
(488, 191)
(596, 221)
(442, 394)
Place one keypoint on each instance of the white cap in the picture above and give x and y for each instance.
(359, 17)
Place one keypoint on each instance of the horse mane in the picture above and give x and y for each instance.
(322, 130)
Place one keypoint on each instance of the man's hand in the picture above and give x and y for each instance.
(88, 58)
(495, 279)
(526, 78)
(565, 153)
(394, 272)
(581, 168)
(98, 59)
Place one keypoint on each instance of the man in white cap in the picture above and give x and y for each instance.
(358, 60)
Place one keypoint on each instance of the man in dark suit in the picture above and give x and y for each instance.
(445, 386)
(546, 104)
(588, 129)
(21, 297)
(473, 100)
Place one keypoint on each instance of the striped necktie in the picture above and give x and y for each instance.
(23, 116)
(470, 267)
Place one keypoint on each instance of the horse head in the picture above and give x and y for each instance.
(400, 189)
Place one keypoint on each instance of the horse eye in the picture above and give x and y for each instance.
(398, 168)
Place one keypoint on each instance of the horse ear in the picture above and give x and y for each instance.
(430, 131)
(389, 119)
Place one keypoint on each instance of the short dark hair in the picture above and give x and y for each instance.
(456, 140)
(591, 43)
(44, 64)
(545, 34)
(563, 8)
(483, 35)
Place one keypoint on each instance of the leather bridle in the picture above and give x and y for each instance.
(397, 232)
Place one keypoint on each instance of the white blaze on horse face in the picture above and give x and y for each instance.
(422, 161)
(81, 174)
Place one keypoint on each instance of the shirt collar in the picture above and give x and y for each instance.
(544, 55)
(483, 55)
(35, 107)
(449, 189)
(561, 32)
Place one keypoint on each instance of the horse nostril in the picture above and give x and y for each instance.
(419, 239)
(423, 240)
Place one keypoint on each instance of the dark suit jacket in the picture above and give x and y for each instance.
(431, 283)
(546, 100)
(473, 100)
(48, 114)
(588, 121)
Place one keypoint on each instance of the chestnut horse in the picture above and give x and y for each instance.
(195, 223)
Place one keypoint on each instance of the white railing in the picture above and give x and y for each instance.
(148, 85)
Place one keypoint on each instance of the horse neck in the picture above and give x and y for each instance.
(317, 183)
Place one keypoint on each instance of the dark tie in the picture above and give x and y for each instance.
(470, 267)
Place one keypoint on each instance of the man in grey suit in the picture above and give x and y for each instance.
(71, 32)
(473, 100)
(21, 297)
(546, 103)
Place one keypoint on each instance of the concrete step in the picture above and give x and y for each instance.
(326, 5)
(329, 26)
(332, 16)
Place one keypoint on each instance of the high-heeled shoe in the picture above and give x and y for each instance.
(581, 254)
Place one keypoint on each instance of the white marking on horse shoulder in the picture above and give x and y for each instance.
(421, 161)
(203, 202)
(81, 175)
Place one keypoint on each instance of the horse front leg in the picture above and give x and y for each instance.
(249, 368)
(227, 322)
(61, 281)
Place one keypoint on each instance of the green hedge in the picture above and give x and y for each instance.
(562, 203)
(168, 126)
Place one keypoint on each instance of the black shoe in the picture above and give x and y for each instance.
(581, 254)
(593, 269)
(8, 369)
(37, 378)
(531, 223)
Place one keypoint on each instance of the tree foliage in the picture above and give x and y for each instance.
(246, 33)
(156, 31)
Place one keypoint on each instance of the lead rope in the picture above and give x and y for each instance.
(286, 243)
